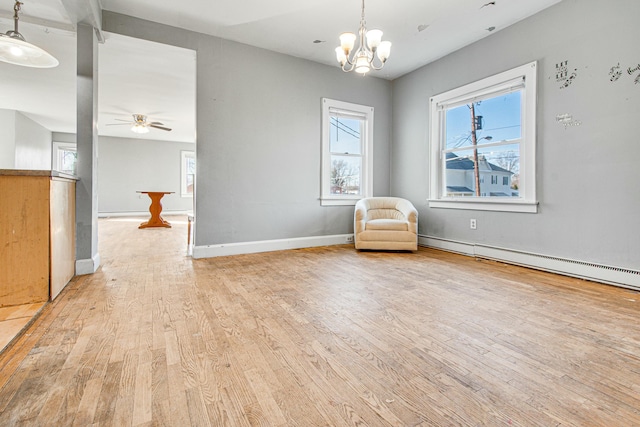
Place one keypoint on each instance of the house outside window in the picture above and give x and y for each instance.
(65, 157)
(485, 130)
(187, 173)
(347, 138)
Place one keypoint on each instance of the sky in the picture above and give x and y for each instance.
(501, 121)
(501, 117)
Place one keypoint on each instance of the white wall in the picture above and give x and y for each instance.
(33, 144)
(259, 136)
(588, 175)
(128, 165)
(7, 139)
(24, 144)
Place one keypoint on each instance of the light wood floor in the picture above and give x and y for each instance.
(322, 337)
(15, 318)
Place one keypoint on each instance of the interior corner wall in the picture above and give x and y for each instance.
(7, 139)
(129, 165)
(259, 136)
(63, 137)
(33, 144)
(587, 174)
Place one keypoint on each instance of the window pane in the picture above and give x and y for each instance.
(497, 119)
(345, 174)
(345, 136)
(497, 173)
(67, 161)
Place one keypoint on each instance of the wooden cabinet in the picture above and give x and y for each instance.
(37, 235)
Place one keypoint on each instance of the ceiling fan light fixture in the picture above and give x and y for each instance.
(15, 50)
(139, 128)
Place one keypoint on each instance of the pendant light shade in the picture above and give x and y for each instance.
(14, 49)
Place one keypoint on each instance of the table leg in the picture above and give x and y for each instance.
(155, 209)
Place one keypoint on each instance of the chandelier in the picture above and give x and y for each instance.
(15, 50)
(363, 58)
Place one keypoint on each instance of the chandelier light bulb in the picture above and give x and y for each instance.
(374, 37)
(341, 56)
(347, 41)
(384, 50)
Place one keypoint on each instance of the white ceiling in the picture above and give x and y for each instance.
(131, 82)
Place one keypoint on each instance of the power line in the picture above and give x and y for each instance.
(341, 126)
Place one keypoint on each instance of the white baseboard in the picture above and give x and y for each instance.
(87, 266)
(623, 277)
(211, 251)
(140, 213)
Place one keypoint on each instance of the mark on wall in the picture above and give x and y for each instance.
(563, 76)
(615, 72)
(567, 120)
(634, 70)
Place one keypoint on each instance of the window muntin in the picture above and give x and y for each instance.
(498, 172)
(346, 154)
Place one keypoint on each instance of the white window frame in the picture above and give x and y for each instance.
(184, 155)
(55, 154)
(527, 201)
(366, 174)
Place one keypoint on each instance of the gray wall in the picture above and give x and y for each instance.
(7, 139)
(33, 144)
(259, 136)
(587, 175)
(128, 165)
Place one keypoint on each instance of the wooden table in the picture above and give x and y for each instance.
(155, 209)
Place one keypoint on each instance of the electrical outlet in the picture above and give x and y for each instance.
(349, 239)
(473, 224)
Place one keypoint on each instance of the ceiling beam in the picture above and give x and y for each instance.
(47, 23)
(84, 12)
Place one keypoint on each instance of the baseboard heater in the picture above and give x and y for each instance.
(622, 277)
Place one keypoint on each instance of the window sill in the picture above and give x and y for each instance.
(486, 205)
(339, 201)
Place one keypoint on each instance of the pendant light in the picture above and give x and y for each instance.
(14, 49)
(370, 46)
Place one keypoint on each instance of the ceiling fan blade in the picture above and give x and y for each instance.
(118, 124)
(120, 120)
(151, 125)
(156, 123)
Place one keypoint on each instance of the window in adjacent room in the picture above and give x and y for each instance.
(65, 157)
(187, 173)
(347, 138)
(485, 130)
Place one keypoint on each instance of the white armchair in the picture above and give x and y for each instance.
(386, 223)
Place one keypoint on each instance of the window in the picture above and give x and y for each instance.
(187, 173)
(65, 157)
(485, 129)
(347, 135)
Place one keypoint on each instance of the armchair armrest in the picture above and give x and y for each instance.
(360, 217)
(410, 212)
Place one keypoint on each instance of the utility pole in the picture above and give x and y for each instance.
(474, 141)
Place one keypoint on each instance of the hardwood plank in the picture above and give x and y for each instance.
(321, 336)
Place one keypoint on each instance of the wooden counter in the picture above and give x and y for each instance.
(37, 235)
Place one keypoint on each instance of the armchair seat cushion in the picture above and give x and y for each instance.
(386, 223)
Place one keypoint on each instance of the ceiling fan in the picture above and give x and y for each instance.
(140, 124)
